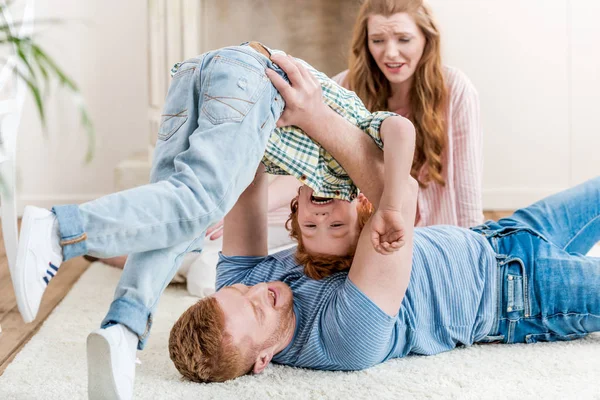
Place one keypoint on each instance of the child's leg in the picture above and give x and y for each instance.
(570, 219)
(220, 162)
(144, 279)
(219, 114)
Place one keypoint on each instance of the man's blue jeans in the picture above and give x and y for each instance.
(548, 289)
(219, 113)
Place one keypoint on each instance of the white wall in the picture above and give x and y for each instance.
(585, 90)
(536, 66)
(102, 44)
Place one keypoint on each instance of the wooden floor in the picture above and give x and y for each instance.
(496, 215)
(15, 333)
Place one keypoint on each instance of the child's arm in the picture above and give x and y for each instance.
(384, 278)
(388, 226)
(398, 136)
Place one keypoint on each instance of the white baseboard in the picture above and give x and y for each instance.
(514, 198)
(49, 201)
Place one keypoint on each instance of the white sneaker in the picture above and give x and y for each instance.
(38, 258)
(111, 363)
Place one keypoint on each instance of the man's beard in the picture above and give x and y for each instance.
(284, 323)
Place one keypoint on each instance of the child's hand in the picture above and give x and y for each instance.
(387, 231)
(215, 231)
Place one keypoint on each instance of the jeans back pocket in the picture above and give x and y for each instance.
(232, 88)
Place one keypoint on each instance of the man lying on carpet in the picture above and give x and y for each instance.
(219, 123)
(521, 279)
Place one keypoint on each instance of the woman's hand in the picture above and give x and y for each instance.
(387, 230)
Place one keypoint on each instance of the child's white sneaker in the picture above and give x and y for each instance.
(39, 256)
(111, 363)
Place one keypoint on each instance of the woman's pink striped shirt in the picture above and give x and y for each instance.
(459, 201)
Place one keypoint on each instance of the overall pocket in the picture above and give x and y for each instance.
(232, 89)
(175, 112)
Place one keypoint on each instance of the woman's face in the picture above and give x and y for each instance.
(396, 43)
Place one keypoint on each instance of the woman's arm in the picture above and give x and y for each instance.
(467, 140)
(341, 79)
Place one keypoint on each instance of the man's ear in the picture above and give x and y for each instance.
(262, 360)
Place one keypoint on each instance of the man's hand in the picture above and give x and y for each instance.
(302, 96)
(387, 231)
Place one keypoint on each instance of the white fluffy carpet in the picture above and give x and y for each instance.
(53, 366)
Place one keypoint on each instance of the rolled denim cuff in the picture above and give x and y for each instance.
(73, 238)
(136, 317)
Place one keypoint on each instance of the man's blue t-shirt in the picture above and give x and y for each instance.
(449, 301)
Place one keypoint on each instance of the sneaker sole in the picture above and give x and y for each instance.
(18, 274)
(101, 383)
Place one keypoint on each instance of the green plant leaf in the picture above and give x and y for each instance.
(86, 121)
(37, 68)
(34, 89)
(47, 61)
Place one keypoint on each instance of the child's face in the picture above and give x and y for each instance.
(328, 226)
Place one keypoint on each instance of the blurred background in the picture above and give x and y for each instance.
(535, 63)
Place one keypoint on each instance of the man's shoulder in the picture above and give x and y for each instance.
(285, 255)
(278, 266)
(250, 270)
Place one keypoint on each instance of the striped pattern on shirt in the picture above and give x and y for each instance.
(459, 202)
(449, 301)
